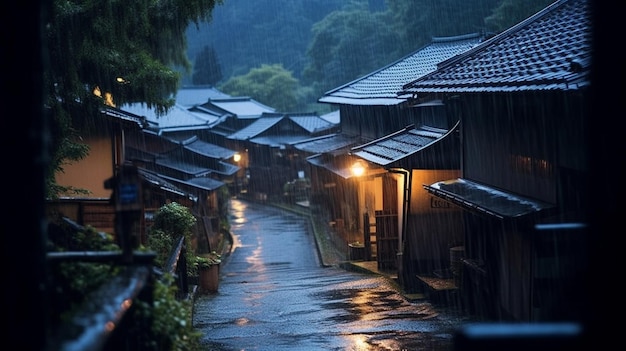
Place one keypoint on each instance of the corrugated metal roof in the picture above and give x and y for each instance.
(399, 145)
(550, 50)
(255, 128)
(381, 87)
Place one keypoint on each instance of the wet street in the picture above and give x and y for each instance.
(275, 295)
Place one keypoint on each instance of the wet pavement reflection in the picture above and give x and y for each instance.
(275, 295)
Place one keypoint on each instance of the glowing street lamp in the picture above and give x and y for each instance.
(237, 157)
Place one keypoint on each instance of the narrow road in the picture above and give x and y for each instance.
(275, 295)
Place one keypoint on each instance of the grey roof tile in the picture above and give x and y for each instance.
(182, 166)
(162, 183)
(396, 146)
(188, 96)
(341, 165)
(302, 125)
(201, 183)
(381, 86)
(203, 148)
(240, 107)
(550, 50)
(311, 122)
(328, 143)
(176, 119)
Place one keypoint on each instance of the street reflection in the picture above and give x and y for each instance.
(274, 295)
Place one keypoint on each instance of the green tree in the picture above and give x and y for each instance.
(207, 69)
(347, 44)
(110, 52)
(418, 21)
(272, 85)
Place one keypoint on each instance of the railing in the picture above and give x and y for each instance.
(97, 324)
(105, 321)
(176, 265)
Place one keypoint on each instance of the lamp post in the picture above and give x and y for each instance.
(358, 169)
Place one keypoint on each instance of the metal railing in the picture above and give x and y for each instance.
(105, 320)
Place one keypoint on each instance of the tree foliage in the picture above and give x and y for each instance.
(347, 44)
(328, 43)
(272, 85)
(110, 52)
(207, 69)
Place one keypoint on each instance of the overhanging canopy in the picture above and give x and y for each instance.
(485, 199)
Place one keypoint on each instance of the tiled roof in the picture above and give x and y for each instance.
(328, 143)
(182, 166)
(381, 87)
(123, 116)
(398, 145)
(304, 125)
(255, 128)
(332, 117)
(159, 181)
(311, 122)
(150, 143)
(341, 165)
(240, 107)
(550, 50)
(203, 148)
(188, 96)
(280, 139)
(202, 183)
(178, 118)
(226, 168)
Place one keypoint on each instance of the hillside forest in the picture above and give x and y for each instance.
(288, 53)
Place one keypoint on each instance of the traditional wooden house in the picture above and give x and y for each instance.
(401, 145)
(272, 160)
(107, 143)
(524, 95)
(169, 148)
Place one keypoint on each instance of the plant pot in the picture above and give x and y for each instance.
(209, 279)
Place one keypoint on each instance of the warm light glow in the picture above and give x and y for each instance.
(237, 157)
(358, 168)
(108, 99)
(109, 326)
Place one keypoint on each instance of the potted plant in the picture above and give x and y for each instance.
(208, 272)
